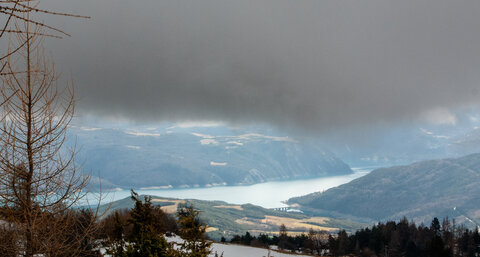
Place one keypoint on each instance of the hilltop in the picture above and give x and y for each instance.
(226, 219)
(420, 191)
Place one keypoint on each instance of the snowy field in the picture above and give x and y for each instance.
(232, 250)
(245, 251)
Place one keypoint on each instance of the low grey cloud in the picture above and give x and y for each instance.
(313, 65)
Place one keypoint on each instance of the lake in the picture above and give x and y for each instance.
(268, 195)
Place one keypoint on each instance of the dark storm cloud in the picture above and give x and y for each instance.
(314, 65)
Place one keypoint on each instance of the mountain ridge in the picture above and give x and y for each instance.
(178, 158)
(420, 191)
(226, 219)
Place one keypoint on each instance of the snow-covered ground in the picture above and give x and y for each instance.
(230, 250)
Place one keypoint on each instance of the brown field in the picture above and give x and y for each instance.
(246, 221)
(210, 229)
(236, 207)
(255, 223)
(297, 224)
(270, 224)
(276, 233)
(170, 208)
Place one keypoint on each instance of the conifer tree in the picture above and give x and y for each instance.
(283, 237)
(146, 238)
(115, 243)
(192, 231)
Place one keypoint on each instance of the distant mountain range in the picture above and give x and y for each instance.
(421, 191)
(197, 156)
(408, 143)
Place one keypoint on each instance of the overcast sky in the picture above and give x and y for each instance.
(309, 65)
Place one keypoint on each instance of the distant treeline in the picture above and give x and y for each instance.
(392, 239)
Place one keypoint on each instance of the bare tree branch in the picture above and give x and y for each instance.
(39, 181)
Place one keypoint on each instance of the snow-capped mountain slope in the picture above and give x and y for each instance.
(198, 156)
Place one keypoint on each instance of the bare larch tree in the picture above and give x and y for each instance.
(15, 10)
(39, 181)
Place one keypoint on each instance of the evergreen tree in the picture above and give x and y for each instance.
(436, 248)
(146, 239)
(115, 242)
(192, 231)
(435, 226)
(283, 237)
(333, 245)
(343, 243)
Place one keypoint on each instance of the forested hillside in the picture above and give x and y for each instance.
(421, 191)
(169, 157)
(227, 220)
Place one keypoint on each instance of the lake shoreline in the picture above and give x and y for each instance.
(269, 194)
(214, 185)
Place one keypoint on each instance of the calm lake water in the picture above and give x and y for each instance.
(268, 195)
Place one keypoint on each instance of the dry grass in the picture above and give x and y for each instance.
(169, 208)
(272, 223)
(236, 207)
(297, 224)
(317, 220)
(211, 229)
(246, 221)
(276, 233)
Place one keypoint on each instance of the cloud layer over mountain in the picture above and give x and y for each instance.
(313, 65)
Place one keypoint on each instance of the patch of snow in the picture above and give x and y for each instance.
(208, 141)
(257, 135)
(89, 129)
(236, 140)
(231, 250)
(156, 187)
(133, 133)
(235, 143)
(115, 189)
(202, 135)
(133, 147)
(295, 211)
(218, 164)
(426, 131)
